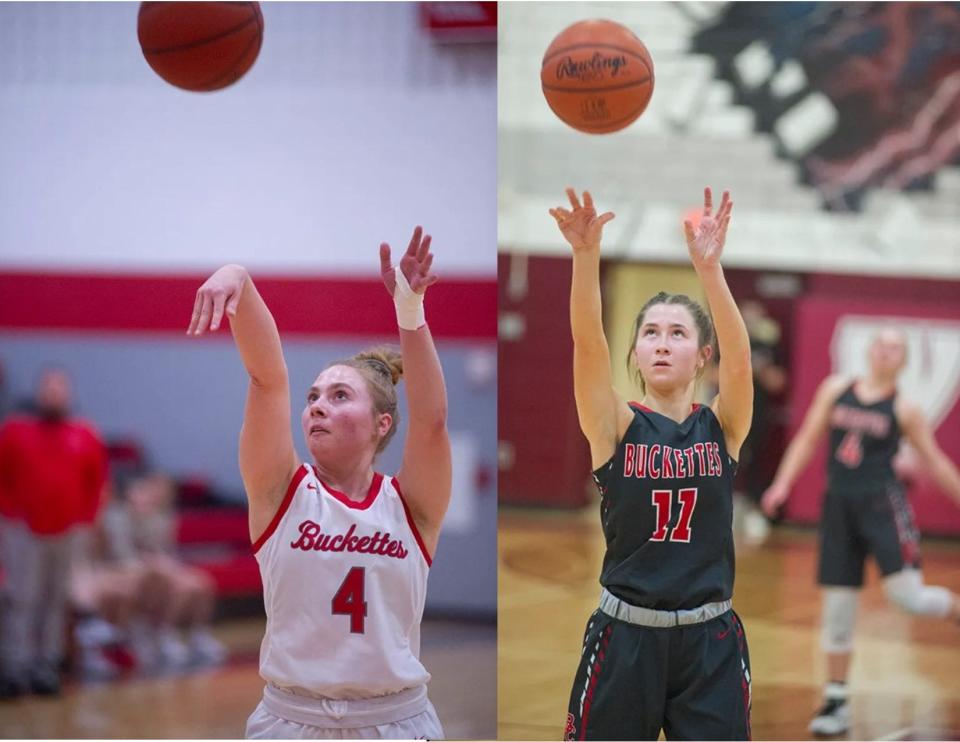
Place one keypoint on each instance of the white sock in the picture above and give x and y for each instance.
(835, 691)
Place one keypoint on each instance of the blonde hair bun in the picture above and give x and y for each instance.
(386, 361)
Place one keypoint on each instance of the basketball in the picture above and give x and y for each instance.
(597, 76)
(200, 46)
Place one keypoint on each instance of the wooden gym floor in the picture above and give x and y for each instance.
(216, 703)
(905, 678)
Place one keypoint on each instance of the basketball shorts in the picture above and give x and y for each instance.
(405, 715)
(693, 681)
(856, 524)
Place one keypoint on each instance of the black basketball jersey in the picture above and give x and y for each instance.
(667, 512)
(863, 441)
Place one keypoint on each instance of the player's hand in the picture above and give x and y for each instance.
(705, 242)
(415, 264)
(773, 498)
(582, 228)
(221, 292)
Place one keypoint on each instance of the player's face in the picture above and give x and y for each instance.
(667, 349)
(888, 352)
(339, 421)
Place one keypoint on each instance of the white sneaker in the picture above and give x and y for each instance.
(204, 648)
(834, 716)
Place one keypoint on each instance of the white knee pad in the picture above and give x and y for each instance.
(839, 617)
(905, 589)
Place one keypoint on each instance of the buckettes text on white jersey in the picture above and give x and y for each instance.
(344, 585)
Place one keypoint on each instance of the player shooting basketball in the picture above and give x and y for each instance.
(344, 551)
(665, 650)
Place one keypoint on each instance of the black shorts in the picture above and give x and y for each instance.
(854, 524)
(691, 681)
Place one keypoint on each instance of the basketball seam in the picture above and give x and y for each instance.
(567, 49)
(559, 89)
(258, 39)
(201, 42)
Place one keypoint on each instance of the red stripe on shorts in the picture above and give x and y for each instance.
(594, 677)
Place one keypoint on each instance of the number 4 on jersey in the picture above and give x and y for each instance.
(349, 600)
(850, 450)
(663, 502)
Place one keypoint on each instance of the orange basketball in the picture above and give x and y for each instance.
(597, 76)
(200, 46)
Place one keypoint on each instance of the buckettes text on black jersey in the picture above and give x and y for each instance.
(667, 510)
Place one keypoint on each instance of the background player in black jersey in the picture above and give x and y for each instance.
(664, 650)
(865, 510)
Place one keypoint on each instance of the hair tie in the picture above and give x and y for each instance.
(381, 366)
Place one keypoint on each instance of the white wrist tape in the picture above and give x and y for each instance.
(409, 304)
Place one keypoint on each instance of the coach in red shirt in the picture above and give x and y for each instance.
(52, 472)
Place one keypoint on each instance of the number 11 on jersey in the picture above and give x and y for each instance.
(663, 502)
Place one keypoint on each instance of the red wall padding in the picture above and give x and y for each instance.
(461, 307)
(537, 417)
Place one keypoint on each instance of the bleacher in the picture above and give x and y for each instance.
(700, 129)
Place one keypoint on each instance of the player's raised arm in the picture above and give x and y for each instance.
(603, 415)
(804, 443)
(267, 456)
(425, 473)
(734, 404)
(917, 431)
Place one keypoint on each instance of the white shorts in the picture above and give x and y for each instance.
(283, 715)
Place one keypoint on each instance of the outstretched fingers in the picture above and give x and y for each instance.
(424, 263)
(725, 205)
(219, 302)
(233, 302)
(723, 216)
(606, 217)
(385, 264)
(707, 201)
(724, 223)
(206, 310)
(424, 249)
(387, 274)
(415, 241)
(574, 201)
(195, 317)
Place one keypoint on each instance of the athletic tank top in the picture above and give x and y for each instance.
(864, 438)
(344, 585)
(667, 512)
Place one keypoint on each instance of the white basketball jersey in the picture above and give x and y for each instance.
(344, 585)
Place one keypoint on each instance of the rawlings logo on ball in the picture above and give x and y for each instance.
(591, 69)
